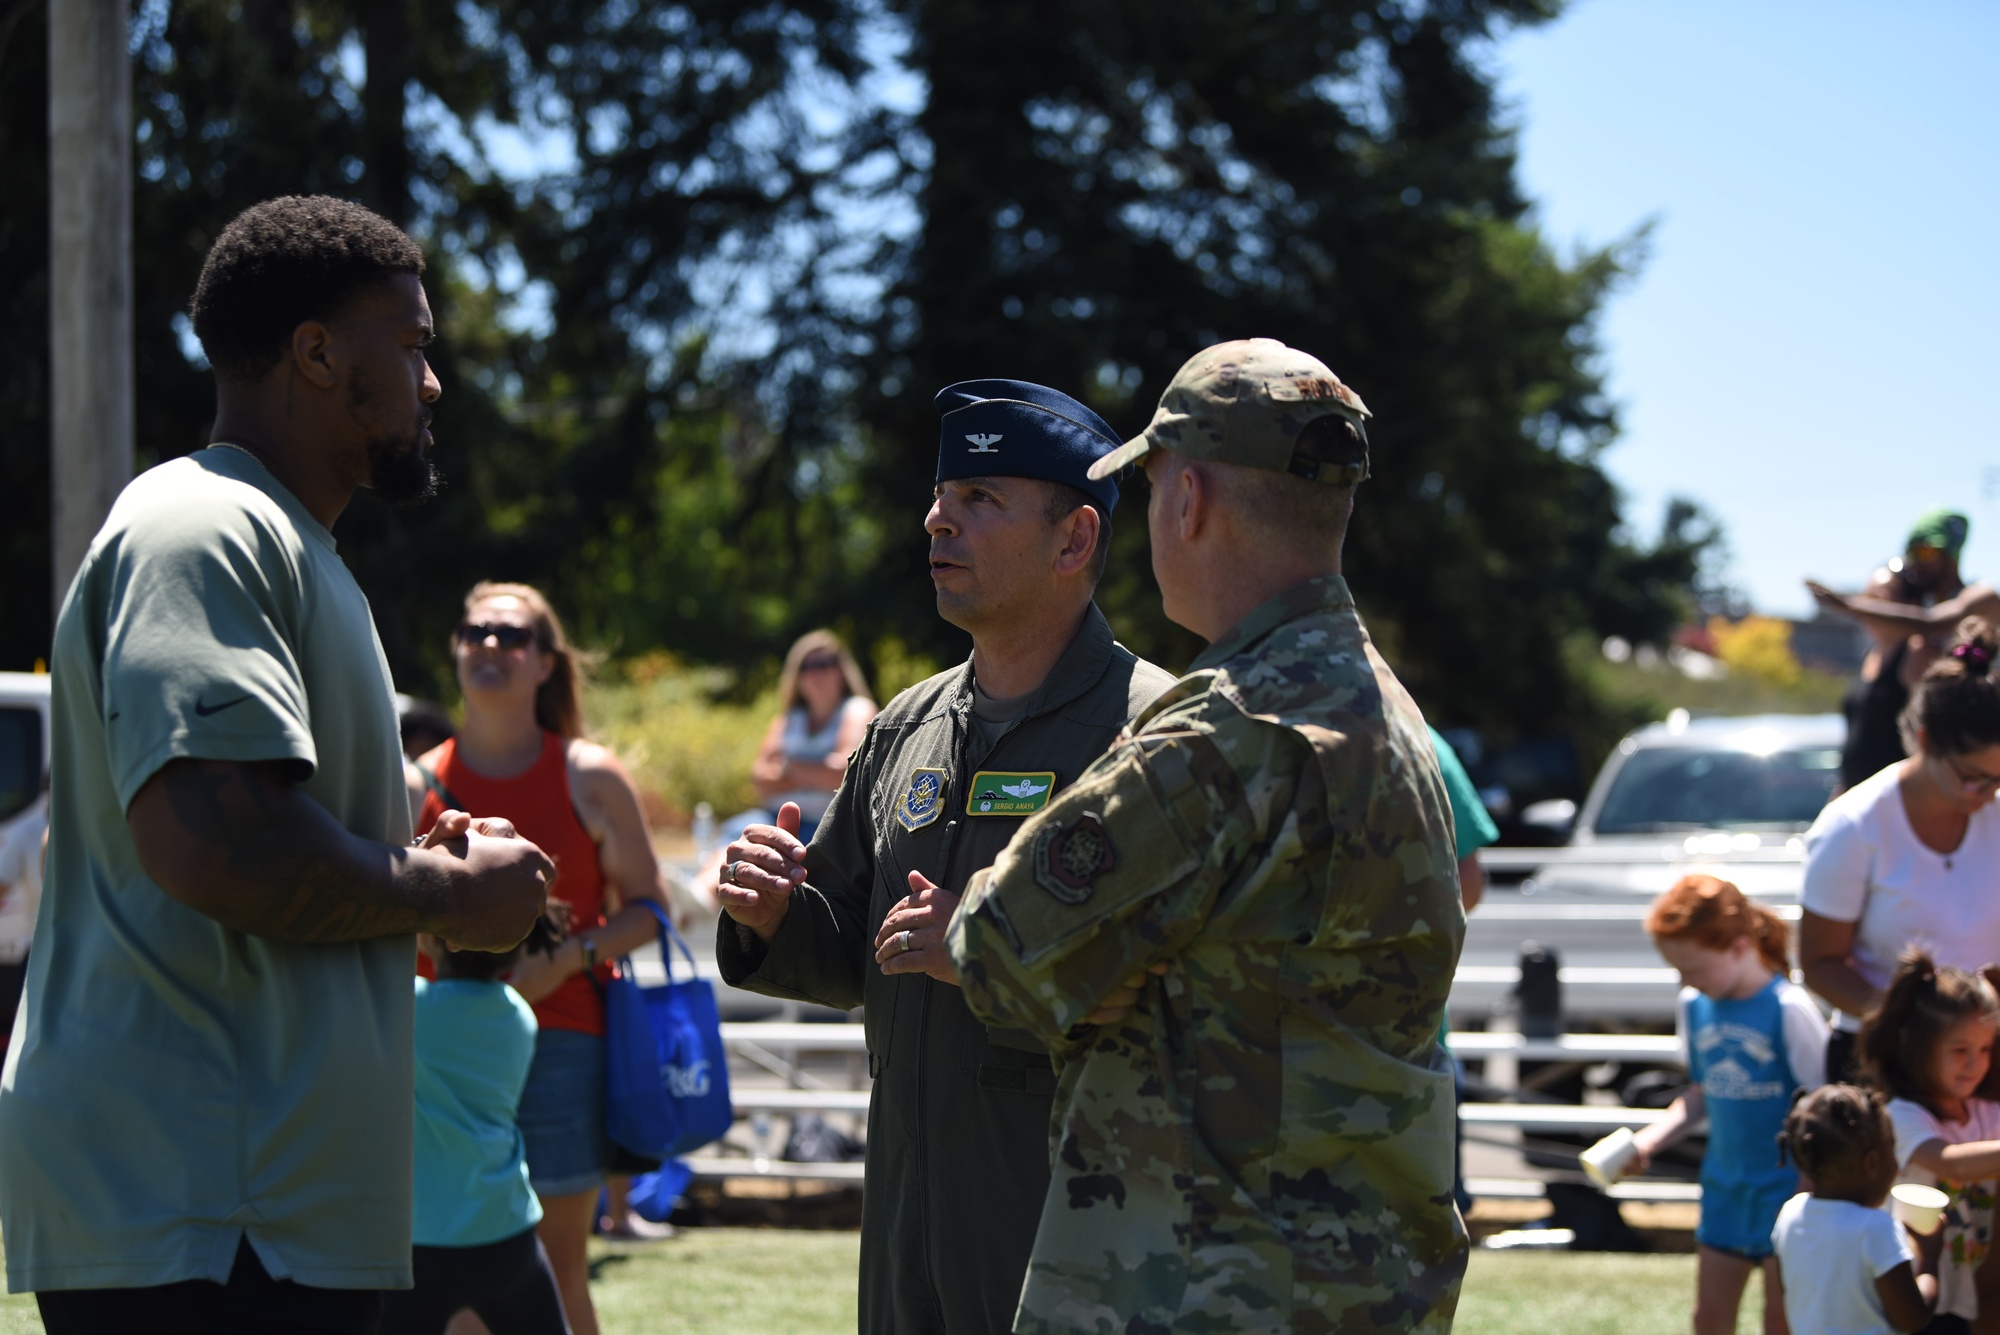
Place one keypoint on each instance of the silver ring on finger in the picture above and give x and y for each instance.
(905, 935)
(729, 873)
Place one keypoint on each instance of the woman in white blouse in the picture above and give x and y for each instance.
(1913, 853)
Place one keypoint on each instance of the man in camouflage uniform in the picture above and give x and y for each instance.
(1264, 1141)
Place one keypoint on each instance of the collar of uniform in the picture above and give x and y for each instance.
(1326, 593)
(1074, 673)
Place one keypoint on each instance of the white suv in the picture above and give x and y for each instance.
(24, 742)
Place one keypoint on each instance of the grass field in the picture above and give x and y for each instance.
(717, 1281)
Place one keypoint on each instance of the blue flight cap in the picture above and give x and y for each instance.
(1010, 428)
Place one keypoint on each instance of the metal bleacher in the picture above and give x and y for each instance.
(790, 1060)
(778, 1046)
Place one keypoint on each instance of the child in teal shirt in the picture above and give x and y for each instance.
(475, 1215)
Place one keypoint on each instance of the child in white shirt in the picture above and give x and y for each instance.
(1929, 1045)
(1845, 1266)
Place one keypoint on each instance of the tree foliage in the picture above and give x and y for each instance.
(701, 266)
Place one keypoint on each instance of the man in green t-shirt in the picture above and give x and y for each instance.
(210, 1075)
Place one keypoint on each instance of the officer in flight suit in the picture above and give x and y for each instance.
(958, 1125)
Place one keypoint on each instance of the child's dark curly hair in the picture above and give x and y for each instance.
(483, 966)
(1831, 1129)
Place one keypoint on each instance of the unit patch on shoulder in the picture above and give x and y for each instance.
(1070, 858)
(1001, 793)
(922, 800)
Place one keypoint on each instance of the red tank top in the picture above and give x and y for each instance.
(538, 802)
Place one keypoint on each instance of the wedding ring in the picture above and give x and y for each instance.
(906, 940)
(729, 873)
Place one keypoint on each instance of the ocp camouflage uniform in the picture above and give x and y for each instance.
(1265, 1143)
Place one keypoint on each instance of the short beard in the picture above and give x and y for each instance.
(399, 471)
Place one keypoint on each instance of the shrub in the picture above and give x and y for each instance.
(663, 719)
(1758, 646)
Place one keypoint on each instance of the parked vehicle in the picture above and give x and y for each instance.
(24, 741)
(1728, 796)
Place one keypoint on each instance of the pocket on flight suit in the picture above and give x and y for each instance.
(1018, 1067)
(1019, 1079)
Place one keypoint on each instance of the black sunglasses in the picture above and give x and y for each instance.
(819, 664)
(472, 634)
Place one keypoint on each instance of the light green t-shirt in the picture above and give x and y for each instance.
(174, 1085)
(1472, 829)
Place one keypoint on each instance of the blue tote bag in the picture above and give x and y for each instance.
(654, 1195)
(666, 1076)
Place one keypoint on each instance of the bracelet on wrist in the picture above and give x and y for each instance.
(589, 946)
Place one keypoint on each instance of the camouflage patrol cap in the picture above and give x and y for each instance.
(1245, 402)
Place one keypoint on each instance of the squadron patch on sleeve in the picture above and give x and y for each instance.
(1070, 858)
(922, 800)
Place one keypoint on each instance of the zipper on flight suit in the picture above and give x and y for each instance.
(965, 764)
(952, 827)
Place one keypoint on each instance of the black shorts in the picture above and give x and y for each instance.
(509, 1283)
(251, 1303)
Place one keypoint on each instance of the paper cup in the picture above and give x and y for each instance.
(1607, 1161)
(1920, 1207)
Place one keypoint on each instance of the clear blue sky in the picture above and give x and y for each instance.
(1811, 350)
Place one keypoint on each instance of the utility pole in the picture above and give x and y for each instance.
(90, 273)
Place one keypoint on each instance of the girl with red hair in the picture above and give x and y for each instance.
(1751, 1038)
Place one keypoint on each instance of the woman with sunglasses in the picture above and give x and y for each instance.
(823, 712)
(522, 755)
(1912, 854)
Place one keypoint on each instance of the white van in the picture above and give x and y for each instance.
(24, 742)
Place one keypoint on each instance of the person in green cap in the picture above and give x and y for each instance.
(1908, 609)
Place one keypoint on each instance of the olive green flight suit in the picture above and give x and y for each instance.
(958, 1128)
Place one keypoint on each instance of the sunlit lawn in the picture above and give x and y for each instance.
(768, 1281)
(710, 1281)
(1587, 1293)
(803, 1283)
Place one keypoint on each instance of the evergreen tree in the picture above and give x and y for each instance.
(691, 338)
(1108, 198)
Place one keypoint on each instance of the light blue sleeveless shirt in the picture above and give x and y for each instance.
(813, 745)
(1742, 1054)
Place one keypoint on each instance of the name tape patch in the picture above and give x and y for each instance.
(1004, 793)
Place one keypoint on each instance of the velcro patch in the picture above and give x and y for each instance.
(1119, 847)
(1003, 793)
(1069, 858)
(922, 800)
(1302, 389)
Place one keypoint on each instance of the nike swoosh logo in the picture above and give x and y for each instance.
(205, 710)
